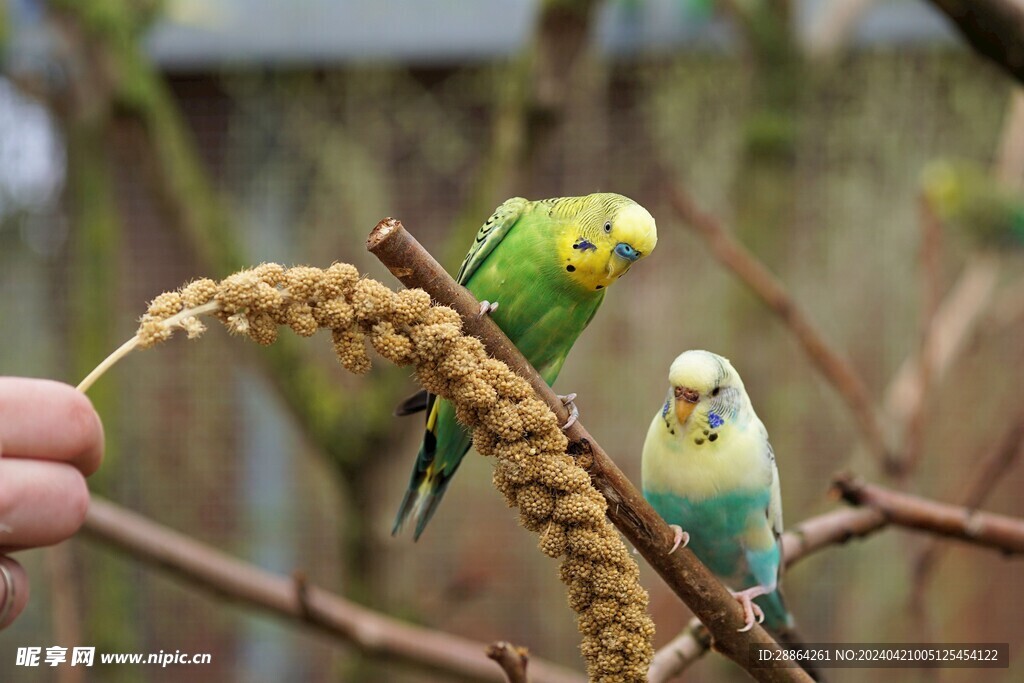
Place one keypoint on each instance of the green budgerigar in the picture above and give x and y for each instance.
(546, 266)
(969, 198)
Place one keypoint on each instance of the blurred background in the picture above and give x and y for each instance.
(145, 143)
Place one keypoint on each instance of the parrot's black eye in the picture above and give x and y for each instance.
(715, 391)
(608, 227)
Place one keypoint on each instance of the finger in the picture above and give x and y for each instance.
(19, 580)
(41, 418)
(41, 503)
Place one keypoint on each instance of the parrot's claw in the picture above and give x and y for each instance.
(574, 412)
(751, 612)
(486, 307)
(681, 540)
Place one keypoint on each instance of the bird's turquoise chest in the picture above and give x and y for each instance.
(715, 524)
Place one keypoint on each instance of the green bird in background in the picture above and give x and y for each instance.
(548, 264)
(967, 197)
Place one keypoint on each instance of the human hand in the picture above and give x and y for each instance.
(50, 440)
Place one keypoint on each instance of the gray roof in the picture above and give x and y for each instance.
(204, 34)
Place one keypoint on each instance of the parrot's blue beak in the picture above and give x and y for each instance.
(626, 251)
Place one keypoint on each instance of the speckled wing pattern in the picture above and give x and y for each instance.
(430, 478)
(490, 235)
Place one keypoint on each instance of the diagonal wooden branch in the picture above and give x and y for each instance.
(930, 257)
(634, 517)
(986, 529)
(513, 660)
(994, 28)
(988, 474)
(295, 600)
(951, 327)
(835, 368)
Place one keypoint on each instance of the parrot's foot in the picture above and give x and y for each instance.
(750, 608)
(574, 412)
(486, 307)
(682, 539)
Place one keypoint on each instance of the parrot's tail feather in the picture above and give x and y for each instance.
(426, 507)
(408, 503)
(790, 639)
(414, 404)
(421, 500)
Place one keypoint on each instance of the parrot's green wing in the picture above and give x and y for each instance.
(490, 235)
(435, 466)
(487, 238)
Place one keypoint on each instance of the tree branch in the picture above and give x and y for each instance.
(512, 660)
(930, 267)
(680, 653)
(297, 601)
(986, 529)
(649, 534)
(835, 368)
(988, 474)
(994, 28)
(950, 329)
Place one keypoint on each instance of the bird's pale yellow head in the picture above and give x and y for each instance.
(942, 187)
(705, 391)
(607, 233)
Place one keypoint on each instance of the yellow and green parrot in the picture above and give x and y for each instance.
(967, 197)
(708, 467)
(548, 264)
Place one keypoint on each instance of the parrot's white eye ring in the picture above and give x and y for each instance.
(608, 227)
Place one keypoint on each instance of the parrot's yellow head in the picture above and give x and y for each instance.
(705, 392)
(942, 187)
(606, 234)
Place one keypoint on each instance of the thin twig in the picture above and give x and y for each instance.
(685, 574)
(931, 282)
(1009, 163)
(951, 327)
(986, 529)
(994, 28)
(130, 345)
(513, 660)
(830, 528)
(373, 634)
(988, 474)
(835, 368)
(682, 651)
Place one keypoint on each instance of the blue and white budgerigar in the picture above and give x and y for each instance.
(548, 264)
(708, 468)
